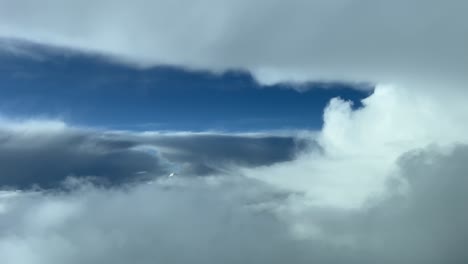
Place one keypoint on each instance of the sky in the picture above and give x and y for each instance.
(103, 93)
(225, 131)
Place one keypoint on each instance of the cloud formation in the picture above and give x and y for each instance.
(359, 149)
(45, 153)
(354, 40)
(385, 184)
(232, 220)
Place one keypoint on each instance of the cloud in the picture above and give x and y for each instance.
(46, 160)
(382, 183)
(54, 151)
(358, 149)
(385, 183)
(208, 220)
(191, 221)
(436, 181)
(218, 151)
(354, 40)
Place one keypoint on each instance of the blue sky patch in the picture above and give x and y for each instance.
(92, 91)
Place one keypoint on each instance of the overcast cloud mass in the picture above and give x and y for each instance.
(354, 40)
(384, 183)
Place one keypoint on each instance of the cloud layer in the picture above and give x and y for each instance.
(232, 220)
(356, 40)
(45, 153)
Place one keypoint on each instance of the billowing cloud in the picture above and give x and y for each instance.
(358, 149)
(379, 183)
(232, 220)
(187, 221)
(356, 40)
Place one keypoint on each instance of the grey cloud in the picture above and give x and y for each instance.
(356, 40)
(46, 160)
(431, 226)
(210, 152)
(200, 220)
(31, 160)
(424, 218)
(188, 223)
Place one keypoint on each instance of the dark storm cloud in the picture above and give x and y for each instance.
(46, 160)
